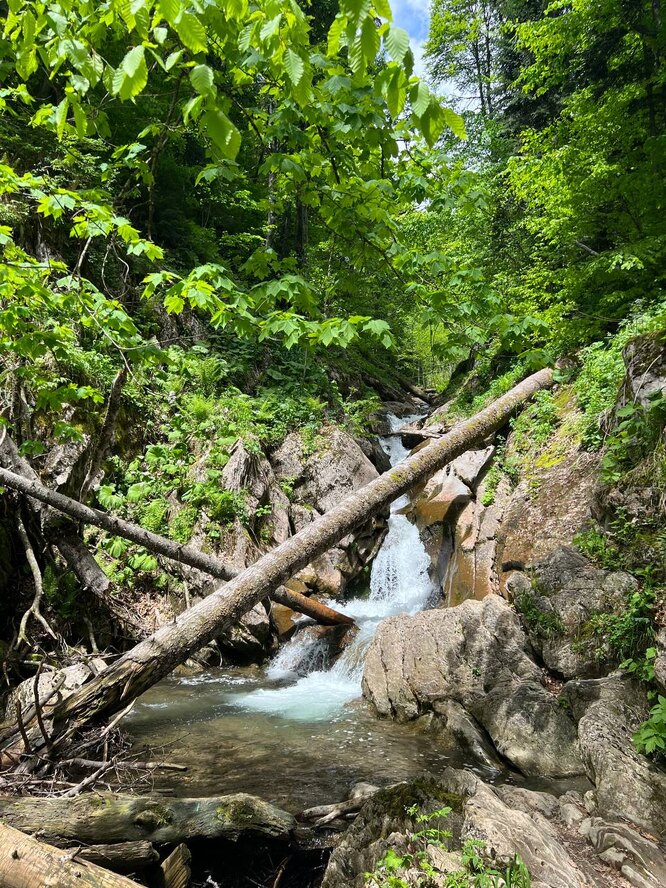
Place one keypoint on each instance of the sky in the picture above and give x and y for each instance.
(413, 16)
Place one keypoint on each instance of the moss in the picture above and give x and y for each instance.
(237, 813)
(153, 818)
(545, 624)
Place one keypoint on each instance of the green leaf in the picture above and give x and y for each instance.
(170, 9)
(455, 123)
(420, 98)
(131, 76)
(383, 8)
(294, 66)
(60, 117)
(201, 78)
(222, 132)
(397, 43)
(191, 32)
(335, 33)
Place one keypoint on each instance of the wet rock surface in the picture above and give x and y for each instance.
(478, 656)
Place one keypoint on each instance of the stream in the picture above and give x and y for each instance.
(297, 732)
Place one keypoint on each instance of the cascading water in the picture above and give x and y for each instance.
(399, 583)
(296, 733)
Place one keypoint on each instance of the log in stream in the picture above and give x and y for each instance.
(157, 656)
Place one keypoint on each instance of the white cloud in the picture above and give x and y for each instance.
(418, 47)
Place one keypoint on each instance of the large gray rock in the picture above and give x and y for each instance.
(477, 655)
(638, 859)
(319, 480)
(645, 360)
(542, 518)
(628, 785)
(52, 687)
(505, 829)
(384, 823)
(660, 660)
(565, 593)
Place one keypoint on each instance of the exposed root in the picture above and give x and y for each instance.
(34, 609)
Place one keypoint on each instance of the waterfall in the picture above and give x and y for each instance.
(399, 583)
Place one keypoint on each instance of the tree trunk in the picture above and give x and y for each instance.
(92, 818)
(27, 863)
(88, 571)
(157, 656)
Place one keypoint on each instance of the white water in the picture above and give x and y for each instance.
(399, 584)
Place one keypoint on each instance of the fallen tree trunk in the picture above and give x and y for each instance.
(154, 542)
(92, 818)
(158, 655)
(28, 863)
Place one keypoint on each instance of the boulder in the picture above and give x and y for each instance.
(52, 687)
(375, 453)
(319, 480)
(564, 594)
(477, 655)
(250, 639)
(470, 569)
(542, 518)
(660, 660)
(250, 473)
(440, 496)
(645, 377)
(478, 812)
(507, 831)
(384, 823)
(628, 785)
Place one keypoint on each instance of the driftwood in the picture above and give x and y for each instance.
(154, 542)
(95, 818)
(26, 862)
(157, 656)
(323, 815)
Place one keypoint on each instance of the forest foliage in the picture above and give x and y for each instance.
(256, 211)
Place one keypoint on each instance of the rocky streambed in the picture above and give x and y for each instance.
(485, 687)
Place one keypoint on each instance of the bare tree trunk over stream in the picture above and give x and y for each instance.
(155, 657)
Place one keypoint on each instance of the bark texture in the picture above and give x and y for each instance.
(28, 863)
(158, 655)
(106, 817)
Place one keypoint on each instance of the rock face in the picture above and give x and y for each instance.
(660, 660)
(538, 521)
(558, 600)
(638, 859)
(319, 481)
(645, 360)
(509, 831)
(478, 812)
(384, 823)
(628, 785)
(459, 530)
(477, 655)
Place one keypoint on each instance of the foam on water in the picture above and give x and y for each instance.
(399, 584)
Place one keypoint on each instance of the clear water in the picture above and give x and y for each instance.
(298, 731)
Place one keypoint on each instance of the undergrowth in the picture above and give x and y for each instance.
(396, 870)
